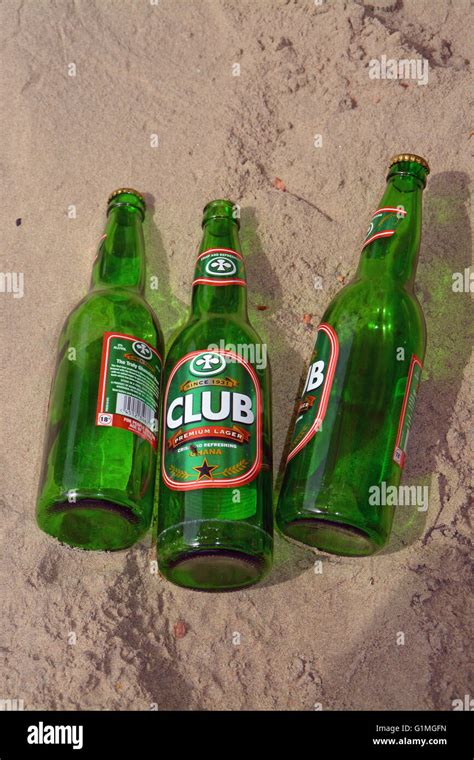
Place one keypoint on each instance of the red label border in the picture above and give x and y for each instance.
(231, 482)
(414, 360)
(328, 380)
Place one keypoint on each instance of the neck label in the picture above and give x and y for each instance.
(314, 401)
(384, 223)
(219, 266)
(212, 422)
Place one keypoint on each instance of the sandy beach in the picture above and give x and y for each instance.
(278, 105)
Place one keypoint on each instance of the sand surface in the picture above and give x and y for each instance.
(101, 631)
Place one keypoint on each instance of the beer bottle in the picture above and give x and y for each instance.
(97, 485)
(215, 502)
(350, 436)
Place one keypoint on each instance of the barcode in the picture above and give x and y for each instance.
(134, 407)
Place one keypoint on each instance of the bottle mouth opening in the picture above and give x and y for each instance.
(399, 170)
(221, 209)
(127, 196)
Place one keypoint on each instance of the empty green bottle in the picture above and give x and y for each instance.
(215, 501)
(350, 436)
(97, 485)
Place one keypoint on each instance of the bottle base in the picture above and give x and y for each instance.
(332, 536)
(214, 555)
(215, 570)
(93, 524)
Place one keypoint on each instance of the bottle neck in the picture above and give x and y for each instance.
(393, 239)
(219, 285)
(120, 259)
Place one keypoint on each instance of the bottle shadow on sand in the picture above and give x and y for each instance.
(170, 310)
(264, 300)
(445, 250)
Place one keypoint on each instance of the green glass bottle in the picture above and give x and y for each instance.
(215, 502)
(349, 440)
(97, 485)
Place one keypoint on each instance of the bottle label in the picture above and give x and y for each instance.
(384, 223)
(129, 386)
(408, 407)
(314, 401)
(212, 422)
(220, 266)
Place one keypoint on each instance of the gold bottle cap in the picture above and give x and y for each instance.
(126, 190)
(410, 157)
